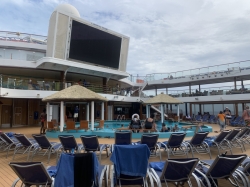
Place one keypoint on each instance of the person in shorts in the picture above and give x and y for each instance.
(228, 116)
(246, 116)
(221, 120)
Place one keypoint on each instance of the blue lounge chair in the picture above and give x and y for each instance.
(45, 146)
(69, 143)
(219, 141)
(175, 146)
(122, 138)
(198, 118)
(91, 144)
(151, 140)
(205, 118)
(130, 165)
(25, 146)
(212, 119)
(9, 143)
(223, 167)
(236, 121)
(31, 173)
(80, 169)
(233, 141)
(198, 145)
(178, 171)
(232, 119)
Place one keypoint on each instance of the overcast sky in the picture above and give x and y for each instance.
(165, 35)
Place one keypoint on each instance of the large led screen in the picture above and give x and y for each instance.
(94, 46)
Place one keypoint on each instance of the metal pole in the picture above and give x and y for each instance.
(178, 112)
(162, 114)
(87, 112)
(92, 114)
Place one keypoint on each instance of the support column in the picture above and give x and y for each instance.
(87, 111)
(242, 85)
(199, 88)
(200, 108)
(48, 111)
(189, 88)
(236, 109)
(235, 85)
(243, 107)
(105, 110)
(146, 111)
(104, 84)
(186, 109)
(155, 91)
(162, 114)
(61, 116)
(102, 116)
(92, 115)
(167, 91)
(140, 111)
(178, 112)
(190, 110)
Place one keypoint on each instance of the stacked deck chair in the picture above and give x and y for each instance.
(243, 137)
(80, 169)
(233, 140)
(223, 167)
(130, 165)
(45, 146)
(177, 171)
(198, 145)
(212, 119)
(219, 141)
(31, 173)
(198, 118)
(205, 118)
(26, 146)
(9, 143)
(175, 146)
(122, 138)
(91, 144)
(236, 121)
(232, 119)
(151, 140)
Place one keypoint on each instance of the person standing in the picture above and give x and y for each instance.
(221, 120)
(76, 111)
(228, 116)
(246, 116)
(43, 118)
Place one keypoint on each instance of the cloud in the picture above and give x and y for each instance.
(165, 36)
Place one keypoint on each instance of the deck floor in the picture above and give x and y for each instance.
(7, 176)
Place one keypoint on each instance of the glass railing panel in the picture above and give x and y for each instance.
(222, 68)
(204, 70)
(186, 73)
(195, 72)
(244, 64)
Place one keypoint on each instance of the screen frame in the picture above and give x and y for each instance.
(95, 26)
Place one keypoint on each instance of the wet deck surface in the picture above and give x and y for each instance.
(7, 176)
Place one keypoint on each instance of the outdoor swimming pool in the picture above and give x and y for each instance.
(111, 126)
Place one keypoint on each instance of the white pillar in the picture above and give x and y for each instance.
(146, 111)
(162, 113)
(87, 112)
(92, 115)
(102, 117)
(48, 111)
(61, 116)
(178, 112)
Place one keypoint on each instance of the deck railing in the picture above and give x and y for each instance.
(24, 83)
(204, 71)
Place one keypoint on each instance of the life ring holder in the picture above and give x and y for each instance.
(137, 116)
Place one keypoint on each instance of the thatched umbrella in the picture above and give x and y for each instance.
(75, 93)
(163, 99)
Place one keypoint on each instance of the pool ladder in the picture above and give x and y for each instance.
(120, 117)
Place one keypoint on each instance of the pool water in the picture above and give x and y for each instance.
(111, 126)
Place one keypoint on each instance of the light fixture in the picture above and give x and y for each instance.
(196, 98)
(38, 95)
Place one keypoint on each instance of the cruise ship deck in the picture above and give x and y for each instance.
(7, 176)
